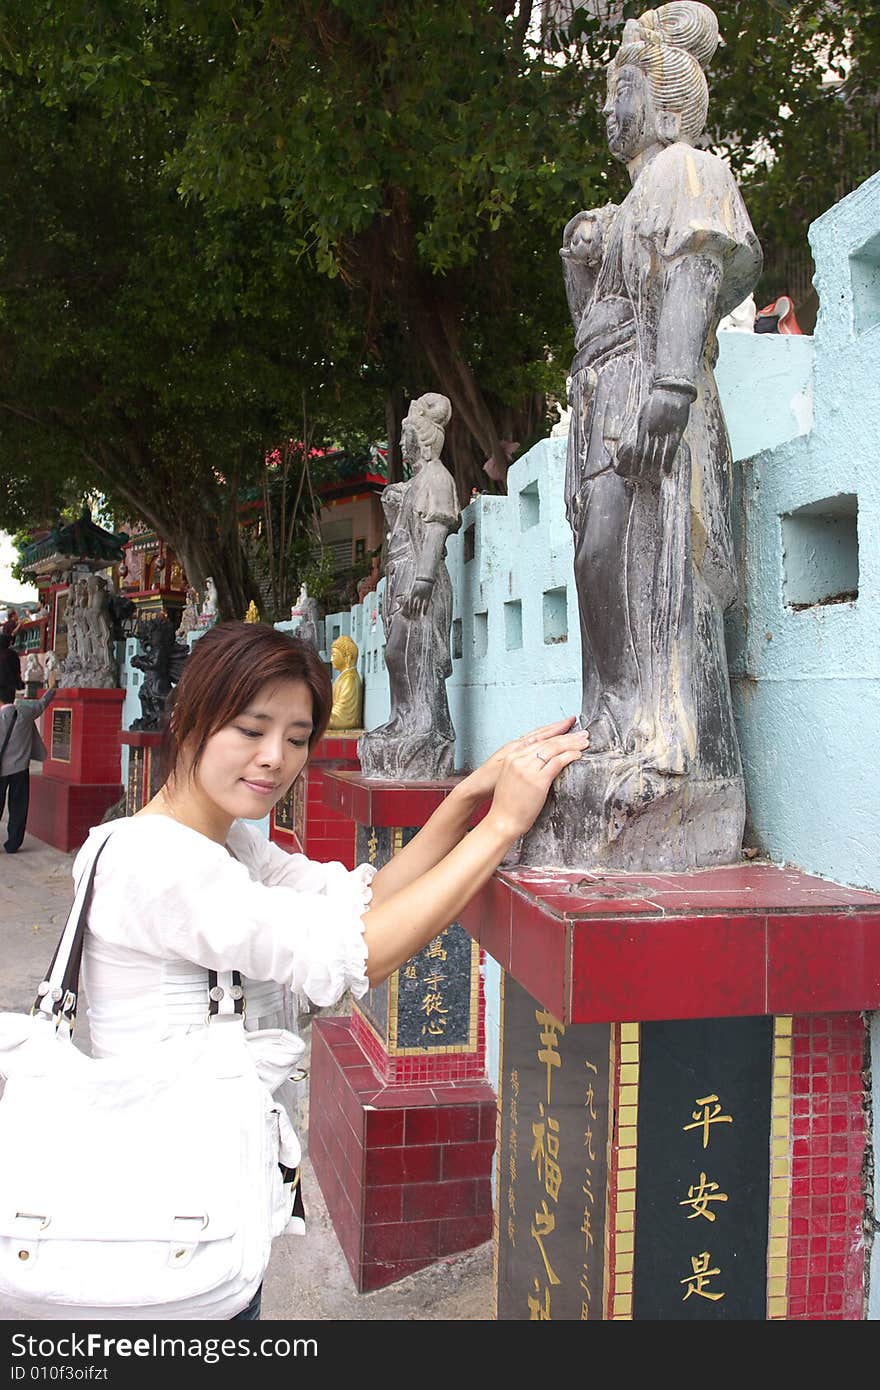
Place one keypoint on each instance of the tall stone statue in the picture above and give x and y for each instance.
(91, 660)
(348, 688)
(649, 473)
(418, 742)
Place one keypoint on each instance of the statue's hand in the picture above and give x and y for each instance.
(585, 242)
(419, 598)
(662, 422)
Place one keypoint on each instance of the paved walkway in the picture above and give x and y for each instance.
(308, 1277)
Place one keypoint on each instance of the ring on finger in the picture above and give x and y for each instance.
(542, 757)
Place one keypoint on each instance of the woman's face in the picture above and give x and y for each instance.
(250, 763)
(629, 112)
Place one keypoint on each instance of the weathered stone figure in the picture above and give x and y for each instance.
(91, 660)
(418, 742)
(648, 474)
(161, 658)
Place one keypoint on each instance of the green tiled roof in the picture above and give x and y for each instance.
(81, 540)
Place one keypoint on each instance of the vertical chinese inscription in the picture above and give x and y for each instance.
(552, 1163)
(702, 1178)
(134, 787)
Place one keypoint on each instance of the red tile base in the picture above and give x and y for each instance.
(829, 1149)
(62, 813)
(405, 1170)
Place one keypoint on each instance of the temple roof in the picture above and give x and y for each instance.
(81, 542)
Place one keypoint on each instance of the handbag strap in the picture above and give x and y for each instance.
(8, 735)
(57, 993)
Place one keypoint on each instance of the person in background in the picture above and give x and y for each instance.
(10, 663)
(12, 624)
(20, 741)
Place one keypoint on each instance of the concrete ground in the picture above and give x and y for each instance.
(308, 1277)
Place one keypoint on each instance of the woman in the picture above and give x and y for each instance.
(185, 885)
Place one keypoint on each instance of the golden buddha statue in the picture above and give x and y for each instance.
(253, 613)
(348, 689)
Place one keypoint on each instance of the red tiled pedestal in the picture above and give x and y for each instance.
(682, 1128)
(401, 1114)
(304, 821)
(80, 779)
(405, 1170)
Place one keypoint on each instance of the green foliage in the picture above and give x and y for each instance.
(216, 211)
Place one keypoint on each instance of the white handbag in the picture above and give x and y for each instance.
(144, 1186)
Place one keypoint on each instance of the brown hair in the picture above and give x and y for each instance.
(224, 672)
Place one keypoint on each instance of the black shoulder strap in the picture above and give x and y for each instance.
(57, 992)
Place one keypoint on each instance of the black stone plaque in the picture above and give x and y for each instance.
(552, 1164)
(703, 1170)
(62, 728)
(434, 994)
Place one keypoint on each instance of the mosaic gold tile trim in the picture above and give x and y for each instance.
(624, 1133)
(496, 1216)
(780, 1171)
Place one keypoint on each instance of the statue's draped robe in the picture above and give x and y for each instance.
(417, 648)
(673, 544)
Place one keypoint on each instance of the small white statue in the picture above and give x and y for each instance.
(300, 606)
(32, 672)
(208, 613)
(52, 668)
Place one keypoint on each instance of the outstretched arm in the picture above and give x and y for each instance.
(399, 923)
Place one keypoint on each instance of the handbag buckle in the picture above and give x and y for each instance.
(33, 1216)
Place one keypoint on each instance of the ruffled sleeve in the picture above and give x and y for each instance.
(178, 894)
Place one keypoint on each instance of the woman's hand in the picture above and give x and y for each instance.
(526, 777)
(483, 781)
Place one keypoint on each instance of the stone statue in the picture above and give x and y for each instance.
(161, 658)
(99, 620)
(418, 742)
(348, 689)
(209, 611)
(306, 609)
(189, 618)
(91, 661)
(31, 672)
(52, 668)
(648, 475)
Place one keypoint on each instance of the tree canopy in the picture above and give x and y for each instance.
(220, 217)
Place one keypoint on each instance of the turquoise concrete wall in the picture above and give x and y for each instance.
(806, 673)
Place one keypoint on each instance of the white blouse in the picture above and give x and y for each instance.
(168, 904)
